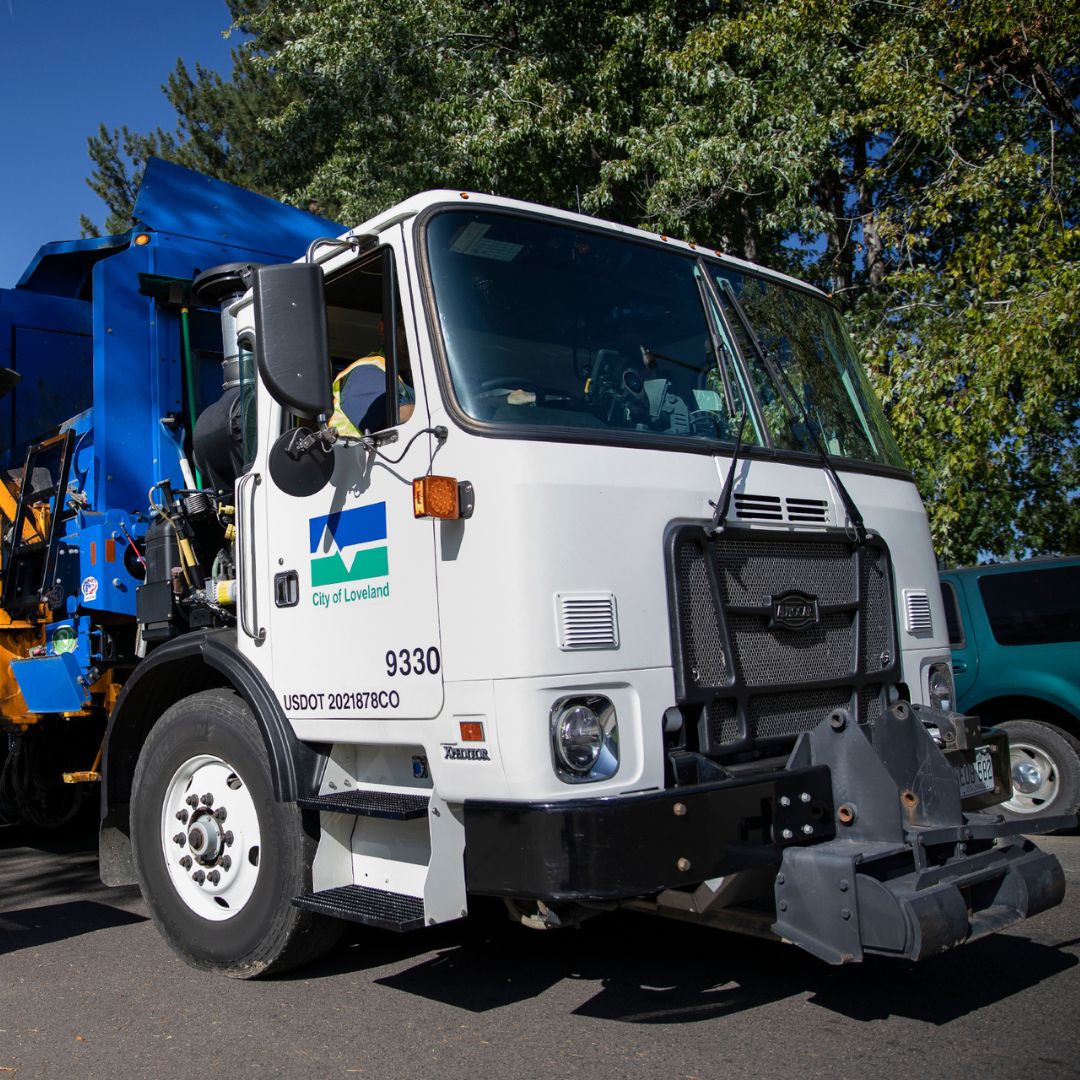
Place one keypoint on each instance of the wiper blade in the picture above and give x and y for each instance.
(718, 346)
(787, 395)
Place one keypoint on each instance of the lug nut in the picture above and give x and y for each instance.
(180, 839)
(198, 877)
(192, 800)
(208, 799)
(226, 862)
(808, 830)
(213, 877)
(784, 800)
(679, 809)
(787, 834)
(182, 816)
(228, 838)
(804, 797)
(220, 813)
(185, 862)
(682, 865)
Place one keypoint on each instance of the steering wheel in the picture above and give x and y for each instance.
(509, 384)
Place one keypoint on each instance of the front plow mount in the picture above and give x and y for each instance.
(911, 872)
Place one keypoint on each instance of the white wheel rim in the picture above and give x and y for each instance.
(213, 848)
(1035, 779)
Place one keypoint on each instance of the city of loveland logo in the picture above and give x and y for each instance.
(347, 547)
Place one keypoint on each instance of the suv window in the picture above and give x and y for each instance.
(1033, 607)
(952, 615)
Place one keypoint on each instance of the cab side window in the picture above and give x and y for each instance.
(371, 368)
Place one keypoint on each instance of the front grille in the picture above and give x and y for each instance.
(787, 714)
(748, 678)
(705, 653)
(788, 656)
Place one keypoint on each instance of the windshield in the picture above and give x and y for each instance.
(558, 327)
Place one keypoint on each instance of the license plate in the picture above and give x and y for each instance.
(976, 777)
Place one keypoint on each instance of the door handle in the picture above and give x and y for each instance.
(959, 665)
(245, 557)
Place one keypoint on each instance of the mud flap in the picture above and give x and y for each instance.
(909, 873)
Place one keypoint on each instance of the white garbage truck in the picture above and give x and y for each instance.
(617, 594)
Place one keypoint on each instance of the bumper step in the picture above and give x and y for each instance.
(396, 805)
(372, 907)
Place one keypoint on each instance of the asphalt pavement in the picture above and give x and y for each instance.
(88, 989)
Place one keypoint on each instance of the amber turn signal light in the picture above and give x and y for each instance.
(435, 496)
(471, 731)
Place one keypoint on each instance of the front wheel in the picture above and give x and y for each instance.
(1045, 764)
(218, 860)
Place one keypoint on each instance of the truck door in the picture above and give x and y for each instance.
(965, 657)
(347, 584)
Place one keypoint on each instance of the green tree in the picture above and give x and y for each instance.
(919, 161)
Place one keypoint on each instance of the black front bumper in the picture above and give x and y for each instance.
(875, 850)
(636, 845)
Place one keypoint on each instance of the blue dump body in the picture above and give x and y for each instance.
(99, 356)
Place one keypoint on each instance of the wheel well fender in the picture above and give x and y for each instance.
(185, 666)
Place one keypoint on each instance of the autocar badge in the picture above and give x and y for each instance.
(793, 610)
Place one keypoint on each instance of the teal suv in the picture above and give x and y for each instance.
(1014, 629)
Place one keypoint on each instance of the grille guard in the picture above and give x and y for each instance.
(748, 675)
(909, 873)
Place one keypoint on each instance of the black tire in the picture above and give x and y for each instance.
(1056, 754)
(267, 933)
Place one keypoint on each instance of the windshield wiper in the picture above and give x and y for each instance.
(718, 346)
(719, 517)
(784, 389)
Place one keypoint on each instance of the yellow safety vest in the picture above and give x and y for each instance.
(340, 421)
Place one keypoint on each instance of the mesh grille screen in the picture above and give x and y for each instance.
(870, 703)
(720, 717)
(875, 591)
(701, 628)
(788, 714)
(781, 656)
(753, 570)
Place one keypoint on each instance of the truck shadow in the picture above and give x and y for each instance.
(653, 972)
(28, 928)
(40, 871)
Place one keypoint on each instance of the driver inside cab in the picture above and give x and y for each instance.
(360, 399)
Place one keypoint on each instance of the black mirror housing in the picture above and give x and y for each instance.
(292, 345)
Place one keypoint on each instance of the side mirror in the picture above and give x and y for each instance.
(292, 345)
(300, 471)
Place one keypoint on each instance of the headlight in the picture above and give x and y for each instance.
(584, 739)
(940, 685)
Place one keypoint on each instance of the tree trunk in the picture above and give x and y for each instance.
(873, 250)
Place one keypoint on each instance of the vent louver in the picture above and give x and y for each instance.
(759, 507)
(771, 508)
(809, 510)
(917, 619)
(586, 621)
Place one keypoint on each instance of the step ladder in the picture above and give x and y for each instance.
(29, 564)
(386, 908)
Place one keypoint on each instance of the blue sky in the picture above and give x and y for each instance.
(65, 67)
